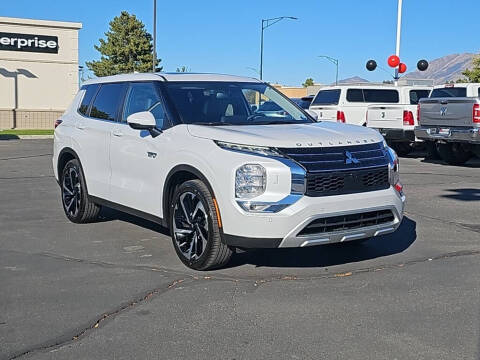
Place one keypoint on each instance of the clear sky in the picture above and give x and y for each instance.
(224, 36)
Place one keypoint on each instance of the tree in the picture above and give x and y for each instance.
(127, 48)
(474, 74)
(183, 69)
(308, 82)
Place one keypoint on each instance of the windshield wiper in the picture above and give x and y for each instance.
(254, 116)
(275, 122)
(217, 123)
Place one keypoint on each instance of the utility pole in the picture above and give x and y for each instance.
(154, 60)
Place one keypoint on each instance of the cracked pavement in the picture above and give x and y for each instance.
(116, 290)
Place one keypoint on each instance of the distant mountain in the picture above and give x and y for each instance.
(354, 79)
(444, 69)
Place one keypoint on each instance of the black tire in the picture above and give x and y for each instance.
(402, 148)
(431, 149)
(196, 234)
(76, 204)
(453, 153)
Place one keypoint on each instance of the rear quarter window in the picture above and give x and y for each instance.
(327, 97)
(107, 102)
(90, 91)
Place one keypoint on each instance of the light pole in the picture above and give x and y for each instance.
(399, 31)
(334, 61)
(265, 24)
(154, 35)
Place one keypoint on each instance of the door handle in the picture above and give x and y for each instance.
(80, 126)
(117, 133)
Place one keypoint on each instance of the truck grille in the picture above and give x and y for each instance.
(344, 169)
(347, 222)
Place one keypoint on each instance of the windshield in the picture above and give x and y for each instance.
(232, 103)
(449, 92)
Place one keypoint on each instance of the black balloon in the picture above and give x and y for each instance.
(422, 65)
(371, 65)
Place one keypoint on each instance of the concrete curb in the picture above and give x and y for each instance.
(24, 137)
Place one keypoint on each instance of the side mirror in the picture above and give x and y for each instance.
(312, 113)
(144, 120)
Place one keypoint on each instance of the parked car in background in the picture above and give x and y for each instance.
(303, 102)
(396, 122)
(349, 103)
(189, 152)
(449, 121)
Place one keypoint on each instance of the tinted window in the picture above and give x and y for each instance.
(90, 91)
(143, 97)
(304, 103)
(327, 97)
(416, 95)
(355, 95)
(380, 96)
(106, 102)
(449, 92)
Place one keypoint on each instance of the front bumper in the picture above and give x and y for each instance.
(469, 135)
(284, 229)
(400, 135)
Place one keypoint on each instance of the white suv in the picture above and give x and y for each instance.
(193, 153)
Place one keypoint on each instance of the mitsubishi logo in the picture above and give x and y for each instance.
(350, 159)
(443, 111)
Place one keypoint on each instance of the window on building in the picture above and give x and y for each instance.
(106, 103)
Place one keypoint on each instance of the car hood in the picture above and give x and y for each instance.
(289, 135)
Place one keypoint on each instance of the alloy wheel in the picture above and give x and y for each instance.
(71, 192)
(190, 226)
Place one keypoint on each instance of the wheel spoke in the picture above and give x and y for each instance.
(65, 188)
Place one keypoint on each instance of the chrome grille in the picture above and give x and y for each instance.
(347, 222)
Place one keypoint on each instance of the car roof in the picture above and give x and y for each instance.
(457, 85)
(170, 77)
(374, 86)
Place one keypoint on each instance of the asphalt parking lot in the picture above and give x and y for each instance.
(116, 290)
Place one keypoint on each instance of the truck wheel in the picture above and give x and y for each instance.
(453, 153)
(431, 149)
(402, 148)
(76, 204)
(195, 230)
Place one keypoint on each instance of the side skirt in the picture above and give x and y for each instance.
(129, 210)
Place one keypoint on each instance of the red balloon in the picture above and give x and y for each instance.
(402, 68)
(393, 61)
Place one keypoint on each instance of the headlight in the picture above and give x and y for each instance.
(394, 170)
(252, 149)
(250, 181)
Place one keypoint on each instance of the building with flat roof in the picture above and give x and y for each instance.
(38, 71)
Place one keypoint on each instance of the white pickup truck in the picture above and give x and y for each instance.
(349, 103)
(397, 121)
(449, 121)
